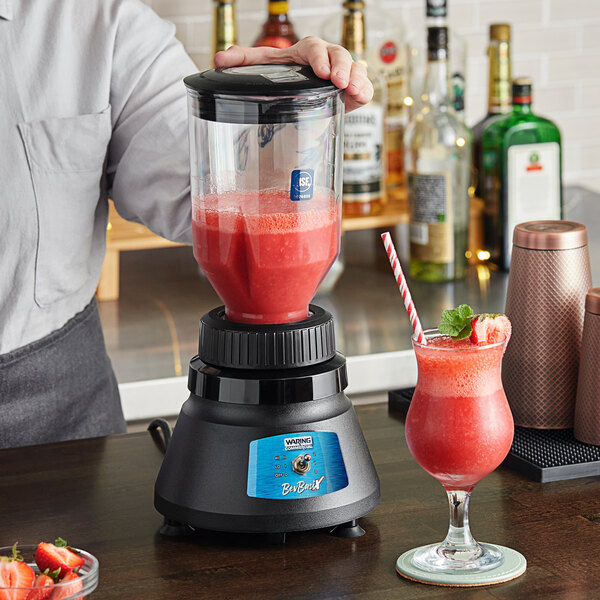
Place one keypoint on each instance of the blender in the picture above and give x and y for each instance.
(267, 441)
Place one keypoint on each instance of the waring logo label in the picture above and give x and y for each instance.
(298, 443)
(302, 486)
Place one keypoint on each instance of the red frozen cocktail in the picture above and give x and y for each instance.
(459, 427)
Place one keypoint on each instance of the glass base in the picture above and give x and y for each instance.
(443, 558)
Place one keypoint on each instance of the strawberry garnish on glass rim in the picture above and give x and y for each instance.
(14, 573)
(490, 329)
(57, 557)
(460, 323)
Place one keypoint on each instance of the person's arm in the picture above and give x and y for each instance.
(148, 160)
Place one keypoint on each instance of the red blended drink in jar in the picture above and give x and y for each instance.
(264, 254)
(459, 426)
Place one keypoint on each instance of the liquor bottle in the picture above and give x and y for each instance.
(278, 31)
(364, 164)
(388, 53)
(224, 27)
(437, 16)
(521, 172)
(499, 88)
(438, 165)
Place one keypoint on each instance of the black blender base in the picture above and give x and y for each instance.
(340, 521)
(231, 464)
(348, 530)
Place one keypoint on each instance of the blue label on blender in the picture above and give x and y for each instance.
(296, 465)
(301, 187)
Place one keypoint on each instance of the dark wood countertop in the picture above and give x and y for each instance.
(98, 494)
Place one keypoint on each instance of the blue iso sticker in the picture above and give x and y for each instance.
(301, 187)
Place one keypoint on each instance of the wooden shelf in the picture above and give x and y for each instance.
(123, 235)
(388, 218)
(394, 213)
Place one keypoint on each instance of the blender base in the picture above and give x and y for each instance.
(268, 450)
(277, 525)
(203, 482)
(208, 472)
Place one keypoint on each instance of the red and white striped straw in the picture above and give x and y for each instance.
(403, 287)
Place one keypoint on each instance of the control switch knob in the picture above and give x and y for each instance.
(301, 464)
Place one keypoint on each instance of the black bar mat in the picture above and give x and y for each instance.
(539, 454)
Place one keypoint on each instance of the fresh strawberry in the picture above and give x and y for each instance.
(15, 573)
(57, 556)
(489, 329)
(64, 588)
(44, 584)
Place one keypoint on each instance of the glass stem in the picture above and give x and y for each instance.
(459, 538)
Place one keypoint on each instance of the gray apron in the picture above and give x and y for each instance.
(61, 387)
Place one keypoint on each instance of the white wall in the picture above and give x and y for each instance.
(557, 42)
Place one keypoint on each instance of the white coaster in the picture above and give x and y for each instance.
(514, 565)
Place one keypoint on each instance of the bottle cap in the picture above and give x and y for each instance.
(500, 32)
(354, 4)
(436, 8)
(550, 235)
(437, 38)
(521, 90)
(592, 301)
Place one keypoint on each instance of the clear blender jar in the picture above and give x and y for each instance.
(266, 144)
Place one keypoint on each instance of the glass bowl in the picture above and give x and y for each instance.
(88, 573)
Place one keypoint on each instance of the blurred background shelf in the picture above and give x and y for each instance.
(390, 216)
(122, 235)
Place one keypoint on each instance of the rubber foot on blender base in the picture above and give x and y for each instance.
(351, 529)
(275, 538)
(174, 529)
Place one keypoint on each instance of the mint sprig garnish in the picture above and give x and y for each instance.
(456, 322)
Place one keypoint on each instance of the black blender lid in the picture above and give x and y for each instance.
(257, 94)
(259, 80)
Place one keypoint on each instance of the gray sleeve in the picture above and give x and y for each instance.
(148, 160)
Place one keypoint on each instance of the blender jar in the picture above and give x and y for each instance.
(266, 141)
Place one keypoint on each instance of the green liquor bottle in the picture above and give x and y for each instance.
(499, 89)
(438, 165)
(521, 172)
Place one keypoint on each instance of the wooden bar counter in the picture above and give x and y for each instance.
(98, 494)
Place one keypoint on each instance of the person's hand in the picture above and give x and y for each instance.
(328, 61)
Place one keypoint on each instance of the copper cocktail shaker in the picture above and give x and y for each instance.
(587, 406)
(549, 277)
